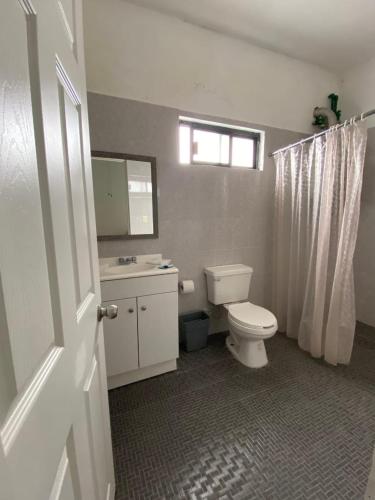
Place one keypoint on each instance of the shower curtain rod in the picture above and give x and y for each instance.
(356, 118)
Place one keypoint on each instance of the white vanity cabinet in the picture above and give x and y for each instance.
(157, 328)
(121, 338)
(143, 340)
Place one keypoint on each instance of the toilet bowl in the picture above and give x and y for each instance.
(249, 325)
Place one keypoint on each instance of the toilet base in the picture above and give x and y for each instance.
(251, 353)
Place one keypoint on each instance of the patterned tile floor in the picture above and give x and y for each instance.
(297, 429)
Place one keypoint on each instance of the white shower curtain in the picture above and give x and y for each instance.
(317, 203)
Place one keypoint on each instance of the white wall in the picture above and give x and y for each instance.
(359, 96)
(207, 215)
(364, 262)
(143, 55)
(359, 90)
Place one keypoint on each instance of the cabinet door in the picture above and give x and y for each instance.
(121, 338)
(157, 328)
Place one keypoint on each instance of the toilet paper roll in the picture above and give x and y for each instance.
(187, 286)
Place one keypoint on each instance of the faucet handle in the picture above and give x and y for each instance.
(126, 260)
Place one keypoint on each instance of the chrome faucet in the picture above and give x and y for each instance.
(125, 261)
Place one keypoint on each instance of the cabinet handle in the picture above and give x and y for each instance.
(131, 310)
(143, 308)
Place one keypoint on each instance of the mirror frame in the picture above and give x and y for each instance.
(152, 161)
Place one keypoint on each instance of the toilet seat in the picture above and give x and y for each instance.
(251, 318)
(252, 332)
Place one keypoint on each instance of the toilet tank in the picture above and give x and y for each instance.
(229, 283)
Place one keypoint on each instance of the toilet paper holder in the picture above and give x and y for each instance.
(186, 286)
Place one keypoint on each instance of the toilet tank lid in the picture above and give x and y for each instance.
(228, 270)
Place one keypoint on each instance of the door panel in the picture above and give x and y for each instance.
(24, 268)
(97, 429)
(54, 426)
(70, 116)
(6, 492)
(71, 451)
(157, 328)
(8, 389)
(121, 338)
(63, 486)
(67, 10)
(79, 453)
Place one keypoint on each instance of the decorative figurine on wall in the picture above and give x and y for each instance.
(325, 117)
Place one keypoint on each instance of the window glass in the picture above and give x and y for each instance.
(210, 147)
(224, 148)
(213, 143)
(185, 144)
(242, 152)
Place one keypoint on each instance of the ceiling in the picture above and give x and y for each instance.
(335, 34)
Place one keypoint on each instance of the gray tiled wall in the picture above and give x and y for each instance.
(364, 262)
(207, 215)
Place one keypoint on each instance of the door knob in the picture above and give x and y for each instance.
(109, 312)
(131, 310)
(143, 308)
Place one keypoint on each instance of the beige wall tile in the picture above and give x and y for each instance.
(207, 215)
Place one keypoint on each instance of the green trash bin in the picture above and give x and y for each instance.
(194, 330)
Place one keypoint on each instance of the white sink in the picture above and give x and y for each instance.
(130, 268)
(110, 269)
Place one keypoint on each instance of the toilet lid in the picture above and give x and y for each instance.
(250, 315)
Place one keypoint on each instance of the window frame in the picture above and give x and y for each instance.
(222, 130)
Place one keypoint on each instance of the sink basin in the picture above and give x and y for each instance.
(130, 268)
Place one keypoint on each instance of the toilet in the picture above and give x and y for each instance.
(249, 325)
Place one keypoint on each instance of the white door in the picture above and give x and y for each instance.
(54, 420)
(121, 338)
(157, 328)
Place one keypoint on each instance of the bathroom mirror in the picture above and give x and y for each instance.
(125, 195)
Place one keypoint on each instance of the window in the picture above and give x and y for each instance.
(216, 144)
